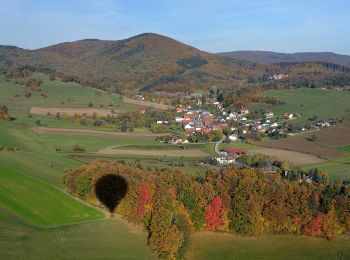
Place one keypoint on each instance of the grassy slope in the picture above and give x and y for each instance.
(227, 246)
(40, 203)
(309, 102)
(72, 94)
(105, 239)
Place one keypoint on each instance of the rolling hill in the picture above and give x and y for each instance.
(275, 57)
(152, 62)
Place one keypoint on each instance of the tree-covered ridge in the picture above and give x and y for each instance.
(152, 62)
(172, 204)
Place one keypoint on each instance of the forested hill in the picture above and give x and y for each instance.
(150, 62)
(275, 57)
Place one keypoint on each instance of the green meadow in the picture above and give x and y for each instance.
(102, 239)
(308, 102)
(207, 245)
(40, 203)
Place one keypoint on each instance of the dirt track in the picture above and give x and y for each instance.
(170, 153)
(84, 132)
(70, 111)
(294, 158)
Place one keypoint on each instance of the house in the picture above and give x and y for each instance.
(162, 122)
(186, 121)
(233, 138)
(235, 151)
(268, 114)
(139, 97)
(208, 120)
(288, 115)
(224, 160)
(244, 111)
(179, 110)
(187, 126)
(191, 115)
(190, 130)
(178, 119)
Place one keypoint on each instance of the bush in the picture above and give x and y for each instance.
(78, 148)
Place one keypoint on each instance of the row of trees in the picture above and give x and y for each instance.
(4, 112)
(172, 204)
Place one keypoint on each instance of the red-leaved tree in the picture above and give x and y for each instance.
(315, 229)
(214, 214)
(143, 201)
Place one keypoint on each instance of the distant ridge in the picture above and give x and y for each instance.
(275, 57)
(151, 62)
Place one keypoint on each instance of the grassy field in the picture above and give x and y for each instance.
(309, 102)
(103, 239)
(58, 94)
(337, 168)
(37, 202)
(208, 245)
(345, 148)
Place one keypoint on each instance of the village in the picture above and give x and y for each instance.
(234, 125)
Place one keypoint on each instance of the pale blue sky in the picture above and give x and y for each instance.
(210, 25)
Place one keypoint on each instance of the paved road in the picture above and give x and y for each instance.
(216, 146)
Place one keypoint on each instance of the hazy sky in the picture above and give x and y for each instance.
(211, 25)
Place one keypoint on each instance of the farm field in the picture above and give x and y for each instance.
(102, 239)
(295, 158)
(170, 153)
(95, 133)
(208, 245)
(71, 111)
(309, 102)
(324, 146)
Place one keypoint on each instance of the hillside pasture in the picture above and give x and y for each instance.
(308, 102)
(59, 94)
(39, 203)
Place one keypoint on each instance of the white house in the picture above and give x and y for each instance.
(233, 138)
(188, 126)
(161, 122)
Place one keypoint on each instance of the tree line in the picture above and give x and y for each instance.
(172, 204)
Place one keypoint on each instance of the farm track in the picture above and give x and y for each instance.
(85, 132)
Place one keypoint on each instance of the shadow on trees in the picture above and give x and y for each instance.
(110, 189)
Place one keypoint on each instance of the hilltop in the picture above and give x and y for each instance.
(152, 62)
(276, 57)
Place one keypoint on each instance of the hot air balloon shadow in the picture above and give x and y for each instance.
(110, 189)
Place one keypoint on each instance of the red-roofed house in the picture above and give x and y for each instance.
(208, 120)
